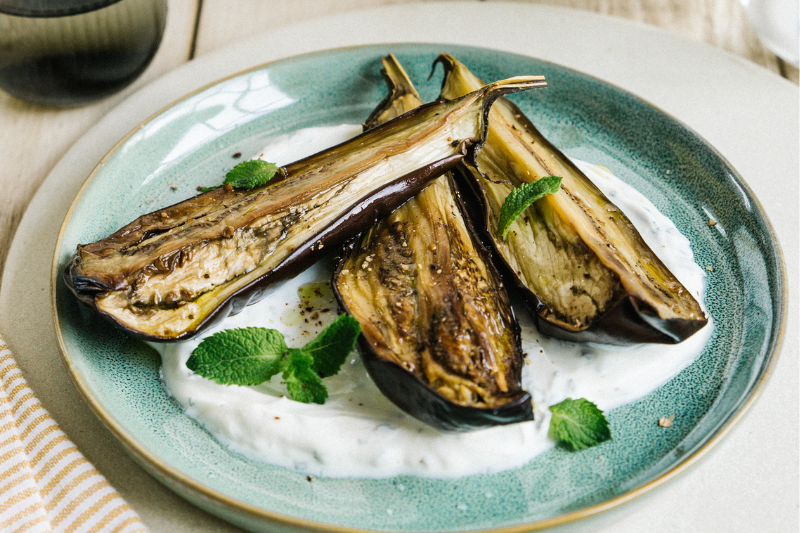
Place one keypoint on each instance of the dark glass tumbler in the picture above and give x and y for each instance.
(72, 52)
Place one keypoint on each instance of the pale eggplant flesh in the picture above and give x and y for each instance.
(175, 272)
(439, 337)
(575, 258)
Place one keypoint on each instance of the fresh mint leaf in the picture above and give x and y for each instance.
(251, 174)
(332, 346)
(302, 381)
(523, 196)
(250, 356)
(578, 424)
(248, 175)
(244, 356)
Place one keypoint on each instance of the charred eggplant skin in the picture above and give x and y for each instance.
(642, 301)
(365, 213)
(175, 272)
(439, 337)
(423, 403)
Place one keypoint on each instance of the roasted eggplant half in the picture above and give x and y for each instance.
(577, 260)
(172, 273)
(439, 337)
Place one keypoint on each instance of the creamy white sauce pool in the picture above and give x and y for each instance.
(358, 432)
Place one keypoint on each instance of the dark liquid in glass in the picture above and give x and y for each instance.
(77, 58)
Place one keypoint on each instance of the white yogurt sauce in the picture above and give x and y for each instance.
(358, 432)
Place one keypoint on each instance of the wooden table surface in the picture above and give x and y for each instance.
(34, 138)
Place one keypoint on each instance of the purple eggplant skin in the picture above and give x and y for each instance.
(573, 256)
(426, 405)
(175, 272)
(439, 337)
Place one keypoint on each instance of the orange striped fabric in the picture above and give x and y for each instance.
(46, 484)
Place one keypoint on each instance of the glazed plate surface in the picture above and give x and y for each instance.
(190, 144)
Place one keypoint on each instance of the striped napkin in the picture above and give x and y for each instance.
(46, 485)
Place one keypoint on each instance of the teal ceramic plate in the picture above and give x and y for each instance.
(191, 143)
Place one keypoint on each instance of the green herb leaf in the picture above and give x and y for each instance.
(244, 356)
(333, 345)
(251, 174)
(250, 356)
(520, 198)
(248, 175)
(578, 424)
(302, 381)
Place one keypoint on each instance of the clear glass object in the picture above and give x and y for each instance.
(73, 52)
(777, 24)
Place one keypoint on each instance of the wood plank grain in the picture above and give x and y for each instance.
(223, 22)
(721, 23)
(41, 135)
(790, 72)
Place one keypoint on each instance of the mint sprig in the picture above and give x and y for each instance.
(245, 356)
(248, 175)
(302, 382)
(250, 356)
(333, 341)
(523, 196)
(578, 424)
